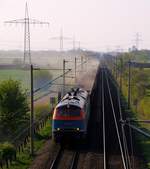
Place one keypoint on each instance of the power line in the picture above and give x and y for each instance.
(50, 82)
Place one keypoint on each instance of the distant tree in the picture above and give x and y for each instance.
(13, 105)
(140, 84)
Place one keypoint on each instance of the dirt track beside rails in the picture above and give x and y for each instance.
(90, 160)
(44, 156)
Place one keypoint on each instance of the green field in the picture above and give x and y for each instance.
(22, 75)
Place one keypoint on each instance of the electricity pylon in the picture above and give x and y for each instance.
(74, 42)
(27, 21)
(61, 38)
(137, 40)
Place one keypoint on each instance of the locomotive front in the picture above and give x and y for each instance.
(70, 117)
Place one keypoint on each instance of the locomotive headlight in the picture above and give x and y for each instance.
(58, 129)
(78, 129)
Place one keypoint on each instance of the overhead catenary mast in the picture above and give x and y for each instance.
(27, 21)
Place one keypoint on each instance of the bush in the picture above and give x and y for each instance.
(13, 105)
(7, 151)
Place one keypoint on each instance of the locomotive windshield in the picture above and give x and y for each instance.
(68, 111)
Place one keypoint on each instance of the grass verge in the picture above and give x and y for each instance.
(143, 112)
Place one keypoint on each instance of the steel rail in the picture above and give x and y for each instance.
(126, 151)
(115, 120)
(103, 112)
(74, 160)
(57, 159)
(127, 122)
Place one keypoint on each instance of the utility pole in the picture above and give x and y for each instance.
(32, 115)
(75, 69)
(121, 72)
(116, 67)
(27, 21)
(129, 84)
(59, 96)
(82, 63)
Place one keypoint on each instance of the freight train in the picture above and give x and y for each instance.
(70, 116)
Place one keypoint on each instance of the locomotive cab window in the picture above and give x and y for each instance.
(68, 111)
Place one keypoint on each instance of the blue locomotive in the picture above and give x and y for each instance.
(70, 116)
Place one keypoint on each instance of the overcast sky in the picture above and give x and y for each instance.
(98, 24)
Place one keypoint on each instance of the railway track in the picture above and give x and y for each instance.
(105, 137)
(116, 149)
(65, 159)
(105, 106)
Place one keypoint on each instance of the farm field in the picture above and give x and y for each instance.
(22, 75)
